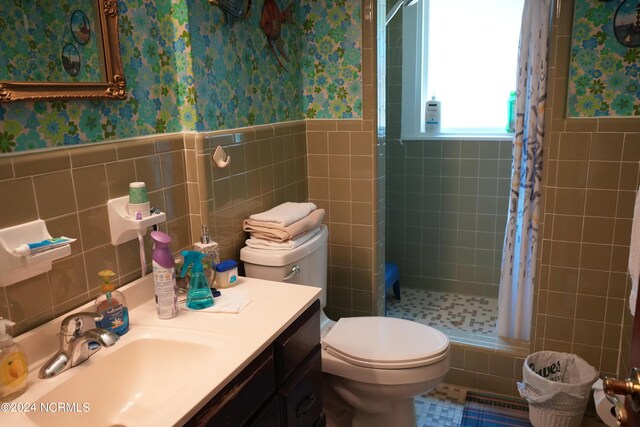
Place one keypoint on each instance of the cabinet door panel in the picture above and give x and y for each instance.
(295, 344)
(269, 416)
(302, 394)
(241, 398)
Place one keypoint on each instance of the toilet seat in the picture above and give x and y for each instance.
(385, 343)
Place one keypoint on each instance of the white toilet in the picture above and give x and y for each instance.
(373, 366)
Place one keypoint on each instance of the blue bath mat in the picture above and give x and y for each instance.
(492, 411)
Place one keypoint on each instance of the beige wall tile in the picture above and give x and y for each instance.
(607, 146)
(503, 365)
(318, 165)
(574, 146)
(6, 168)
(361, 144)
(319, 188)
(572, 174)
(339, 143)
(361, 190)
(593, 282)
(361, 167)
(567, 228)
(598, 230)
(362, 235)
(561, 304)
(601, 203)
(18, 199)
(119, 175)
(131, 149)
(54, 194)
(35, 164)
(590, 307)
(603, 175)
(317, 143)
(29, 298)
(168, 142)
(565, 254)
(570, 202)
(148, 171)
(341, 212)
(339, 167)
(631, 148)
(94, 227)
(339, 189)
(476, 361)
(67, 279)
(558, 329)
(93, 154)
(181, 234)
(90, 184)
(596, 257)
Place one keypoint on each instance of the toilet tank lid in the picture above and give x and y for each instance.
(385, 342)
(279, 258)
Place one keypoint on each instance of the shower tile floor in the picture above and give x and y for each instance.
(465, 319)
(463, 313)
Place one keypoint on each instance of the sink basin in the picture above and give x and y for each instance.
(136, 382)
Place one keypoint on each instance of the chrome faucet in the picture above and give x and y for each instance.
(77, 343)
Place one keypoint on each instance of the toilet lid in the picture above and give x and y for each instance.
(385, 342)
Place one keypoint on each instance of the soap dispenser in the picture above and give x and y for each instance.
(208, 246)
(199, 295)
(112, 305)
(14, 368)
(212, 252)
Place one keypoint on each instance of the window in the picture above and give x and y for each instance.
(465, 53)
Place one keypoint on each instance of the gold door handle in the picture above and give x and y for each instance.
(630, 386)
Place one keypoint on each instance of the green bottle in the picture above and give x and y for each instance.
(511, 122)
(199, 295)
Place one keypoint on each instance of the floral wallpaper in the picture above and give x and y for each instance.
(238, 81)
(155, 57)
(68, 28)
(604, 75)
(332, 59)
(188, 69)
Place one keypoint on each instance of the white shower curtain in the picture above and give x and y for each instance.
(517, 275)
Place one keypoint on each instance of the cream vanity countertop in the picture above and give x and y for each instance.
(230, 342)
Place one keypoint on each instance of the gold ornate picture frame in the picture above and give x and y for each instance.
(112, 87)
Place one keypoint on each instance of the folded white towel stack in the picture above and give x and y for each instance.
(634, 255)
(286, 213)
(284, 227)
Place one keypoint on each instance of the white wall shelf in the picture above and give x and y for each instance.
(123, 226)
(16, 268)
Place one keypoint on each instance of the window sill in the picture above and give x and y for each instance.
(461, 137)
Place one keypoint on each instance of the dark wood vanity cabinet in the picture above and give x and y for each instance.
(282, 387)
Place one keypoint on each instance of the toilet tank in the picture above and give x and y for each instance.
(310, 257)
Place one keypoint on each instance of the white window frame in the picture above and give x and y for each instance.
(414, 65)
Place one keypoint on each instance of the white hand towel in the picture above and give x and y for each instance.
(634, 255)
(231, 300)
(286, 245)
(286, 213)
